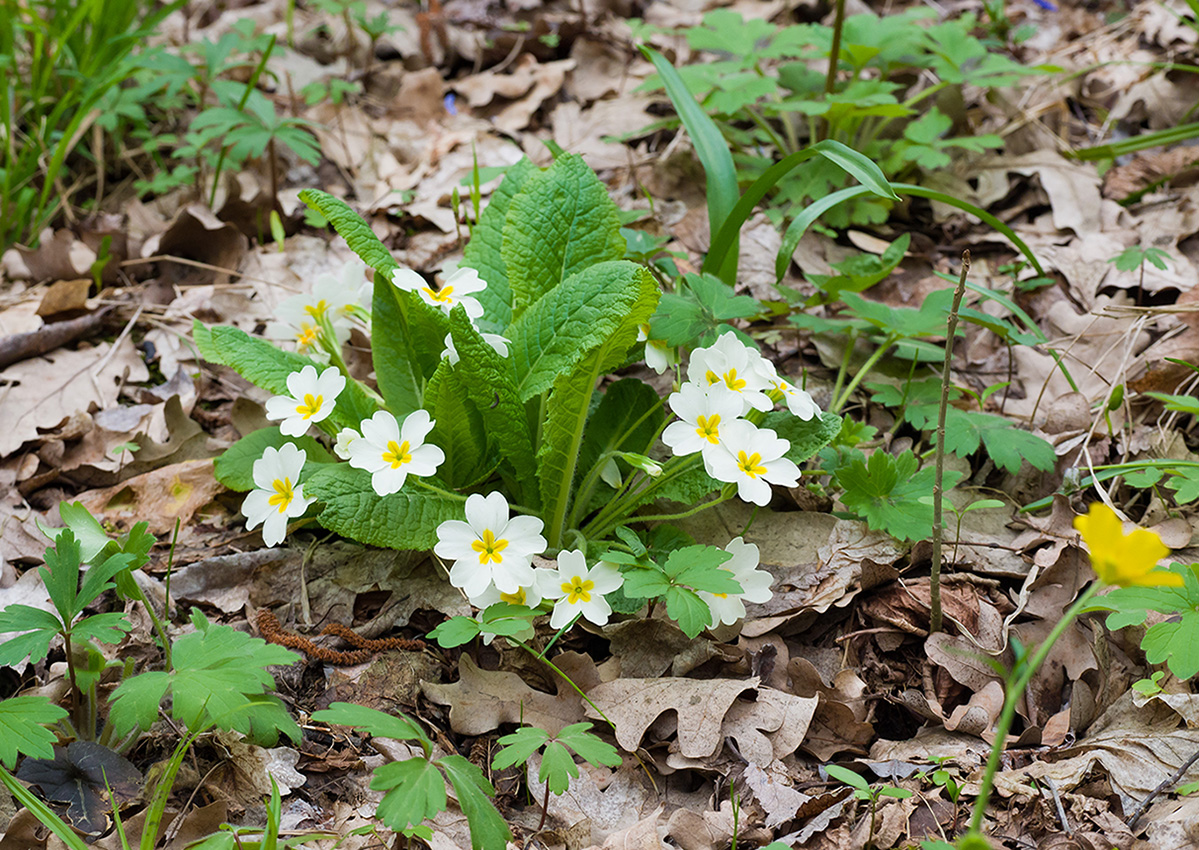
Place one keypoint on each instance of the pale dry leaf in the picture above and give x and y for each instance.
(769, 727)
(778, 799)
(481, 700)
(701, 705)
(643, 835)
(605, 801)
(159, 497)
(41, 392)
(706, 830)
(1073, 188)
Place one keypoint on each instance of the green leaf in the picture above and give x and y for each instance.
(847, 776)
(1185, 484)
(698, 566)
(686, 608)
(484, 252)
(406, 343)
(1010, 446)
(23, 731)
(561, 222)
(688, 487)
(490, 382)
(588, 746)
(415, 792)
(700, 307)
(647, 583)
(518, 746)
(219, 672)
(556, 333)
(235, 468)
(266, 366)
(455, 631)
(487, 829)
(627, 419)
(569, 405)
(806, 436)
(885, 491)
(352, 228)
(404, 520)
(557, 768)
(458, 427)
(378, 724)
(93, 539)
(713, 152)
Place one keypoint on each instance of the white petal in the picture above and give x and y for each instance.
(386, 481)
(274, 529)
(416, 427)
(408, 280)
(454, 539)
(487, 512)
(256, 507)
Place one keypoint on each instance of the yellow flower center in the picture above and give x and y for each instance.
(283, 494)
(441, 296)
(316, 310)
(311, 405)
(397, 455)
(517, 598)
(751, 465)
(308, 336)
(708, 427)
(578, 589)
(730, 380)
(489, 547)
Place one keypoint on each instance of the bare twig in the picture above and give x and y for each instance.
(17, 347)
(1168, 782)
(934, 624)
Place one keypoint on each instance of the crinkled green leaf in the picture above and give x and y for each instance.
(266, 366)
(484, 252)
(490, 382)
(569, 405)
(404, 520)
(235, 468)
(561, 222)
(399, 368)
(23, 731)
(626, 419)
(805, 436)
(556, 333)
(351, 227)
(458, 428)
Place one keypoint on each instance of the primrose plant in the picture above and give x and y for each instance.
(492, 432)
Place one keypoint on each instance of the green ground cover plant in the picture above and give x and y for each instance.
(763, 87)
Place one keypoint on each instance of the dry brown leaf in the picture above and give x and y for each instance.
(700, 705)
(1073, 188)
(527, 86)
(778, 799)
(705, 830)
(770, 727)
(159, 497)
(43, 391)
(603, 801)
(481, 700)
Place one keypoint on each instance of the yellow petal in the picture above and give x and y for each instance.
(1119, 558)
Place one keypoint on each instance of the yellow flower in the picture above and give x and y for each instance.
(1127, 560)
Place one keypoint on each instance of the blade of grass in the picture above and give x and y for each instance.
(713, 153)
(1169, 136)
(852, 162)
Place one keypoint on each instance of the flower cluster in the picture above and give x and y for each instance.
(725, 382)
(305, 320)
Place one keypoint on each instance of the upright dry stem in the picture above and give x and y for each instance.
(934, 624)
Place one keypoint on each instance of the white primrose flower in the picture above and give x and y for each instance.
(312, 399)
(798, 401)
(579, 590)
(658, 355)
(755, 584)
(489, 548)
(752, 458)
(729, 362)
(498, 343)
(332, 297)
(529, 596)
(390, 452)
(345, 437)
(702, 413)
(277, 495)
(455, 289)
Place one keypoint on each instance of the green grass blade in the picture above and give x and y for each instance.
(1169, 136)
(852, 162)
(713, 154)
(800, 224)
(934, 195)
(42, 812)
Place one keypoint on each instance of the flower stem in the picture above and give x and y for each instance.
(863, 372)
(1014, 692)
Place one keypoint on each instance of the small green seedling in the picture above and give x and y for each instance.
(863, 790)
(557, 765)
(1151, 686)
